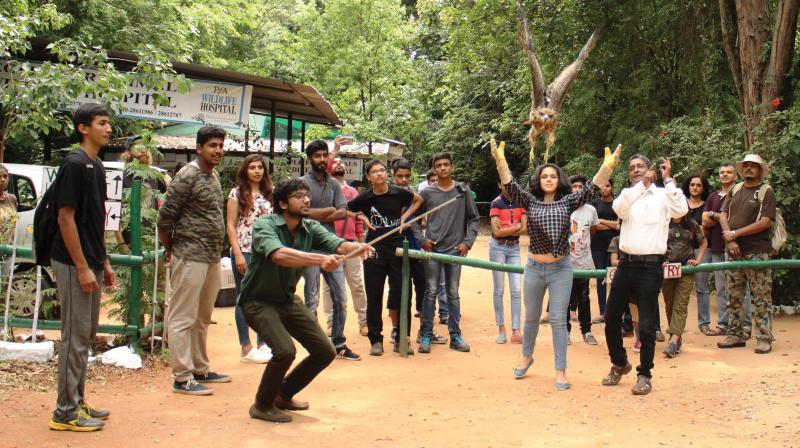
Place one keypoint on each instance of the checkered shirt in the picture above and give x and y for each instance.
(548, 222)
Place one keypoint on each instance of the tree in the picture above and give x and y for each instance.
(34, 96)
(355, 53)
(759, 58)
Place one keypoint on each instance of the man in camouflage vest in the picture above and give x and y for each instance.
(746, 220)
(191, 230)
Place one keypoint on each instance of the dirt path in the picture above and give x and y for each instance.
(704, 397)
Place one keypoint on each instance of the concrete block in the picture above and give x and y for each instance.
(27, 352)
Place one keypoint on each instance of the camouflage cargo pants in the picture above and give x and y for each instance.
(760, 281)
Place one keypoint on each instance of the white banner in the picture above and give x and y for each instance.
(219, 103)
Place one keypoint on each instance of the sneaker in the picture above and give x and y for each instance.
(589, 339)
(672, 349)
(501, 338)
(255, 356)
(376, 349)
(731, 342)
(637, 346)
(272, 415)
(457, 343)
(660, 336)
(212, 377)
(190, 387)
(99, 414)
(395, 334)
(397, 349)
(643, 386)
(82, 422)
(265, 348)
(435, 339)
(763, 347)
(345, 353)
(425, 345)
(444, 320)
(363, 330)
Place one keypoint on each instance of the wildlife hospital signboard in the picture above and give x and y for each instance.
(222, 104)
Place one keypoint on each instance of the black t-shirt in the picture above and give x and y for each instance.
(384, 212)
(81, 184)
(697, 215)
(602, 238)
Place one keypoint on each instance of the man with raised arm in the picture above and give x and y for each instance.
(645, 211)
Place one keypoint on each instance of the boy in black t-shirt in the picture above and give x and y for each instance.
(81, 266)
(383, 208)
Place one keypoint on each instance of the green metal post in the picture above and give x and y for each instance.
(135, 291)
(404, 292)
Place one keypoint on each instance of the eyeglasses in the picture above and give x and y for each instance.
(379, 171)
(299, 195)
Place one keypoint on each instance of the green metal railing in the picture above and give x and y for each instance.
(135, 260)
(519, 269)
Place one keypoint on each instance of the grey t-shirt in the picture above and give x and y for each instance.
(455, 224)
(327, 193)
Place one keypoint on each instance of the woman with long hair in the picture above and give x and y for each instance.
(549, 205)
(249, 200)
(696, 189)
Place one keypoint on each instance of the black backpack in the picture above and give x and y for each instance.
(45, 219)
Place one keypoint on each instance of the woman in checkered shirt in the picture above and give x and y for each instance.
(549, 205)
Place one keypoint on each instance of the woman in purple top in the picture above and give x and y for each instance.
(549, 206)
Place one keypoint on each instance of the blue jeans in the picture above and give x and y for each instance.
(452, 277)
(701, 287)
(335, 280)
(722, 296)
(502, 253)
(556, 279)
(602, 260)
(441, 296)
(241, 326)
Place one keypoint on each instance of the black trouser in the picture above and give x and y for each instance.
(639, 282)
(277, 324)
(579, 299)
(376, 269)
(418, 279)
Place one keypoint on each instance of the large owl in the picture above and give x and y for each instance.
(546, 103)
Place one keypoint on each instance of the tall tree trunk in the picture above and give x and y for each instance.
(758, 79)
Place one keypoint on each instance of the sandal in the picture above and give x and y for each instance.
(715, 332)
(615, 374)
(643, 386)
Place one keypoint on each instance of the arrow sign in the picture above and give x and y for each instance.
(114, 185)
(113, 215)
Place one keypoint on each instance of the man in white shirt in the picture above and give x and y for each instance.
(645, 211)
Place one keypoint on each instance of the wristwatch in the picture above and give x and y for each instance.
(733, 234)
(711, 215)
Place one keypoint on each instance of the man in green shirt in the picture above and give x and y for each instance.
(282, 246)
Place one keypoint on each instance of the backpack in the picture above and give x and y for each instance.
(777, 231)
(45, 219)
